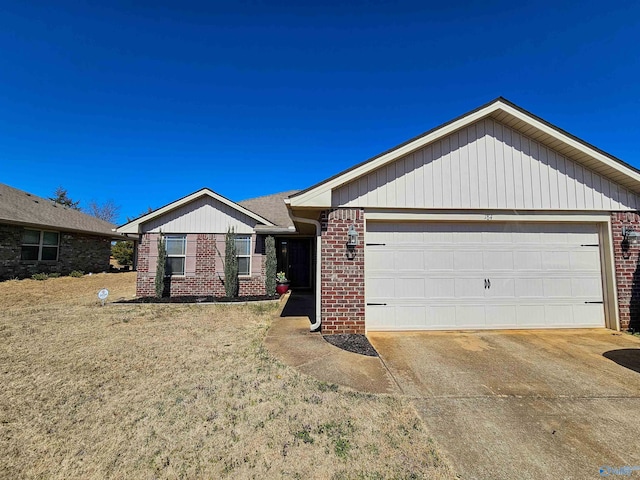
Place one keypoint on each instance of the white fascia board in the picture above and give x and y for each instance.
(134, 226)
(321, 195)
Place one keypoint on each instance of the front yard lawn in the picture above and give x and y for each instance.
(179, 391)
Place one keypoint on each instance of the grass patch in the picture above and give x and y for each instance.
(179, 391)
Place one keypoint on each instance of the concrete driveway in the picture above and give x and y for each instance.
(524, 404)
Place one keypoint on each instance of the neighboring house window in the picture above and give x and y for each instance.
(176, 246)
(40, 245)
(243, 250)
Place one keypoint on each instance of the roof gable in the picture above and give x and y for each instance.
(509, 115)
(22, 208)
(199, 206)
(485, 165)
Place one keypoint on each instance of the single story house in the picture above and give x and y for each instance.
(194, 229)
(494, 220)
(38, 235)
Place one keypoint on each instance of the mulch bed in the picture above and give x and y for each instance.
(200, 299)
(354, 343)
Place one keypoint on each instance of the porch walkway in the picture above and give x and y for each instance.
(290, 340)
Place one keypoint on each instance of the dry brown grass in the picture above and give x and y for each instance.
(178, 391)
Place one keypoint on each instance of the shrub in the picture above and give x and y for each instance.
(271, 265)
(40, 276)
(160, 266)
(54, 275)
(122, 251)
(76, 273)
(230, 264)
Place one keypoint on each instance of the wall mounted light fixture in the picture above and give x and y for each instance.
(630, 236)
(352, 242)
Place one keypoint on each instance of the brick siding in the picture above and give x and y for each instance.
(627, 270)
(208, 277)
(76, 251)
(342, 279)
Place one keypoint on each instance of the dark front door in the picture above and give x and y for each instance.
(295, 260)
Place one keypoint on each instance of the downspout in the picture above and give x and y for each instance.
(315, 326)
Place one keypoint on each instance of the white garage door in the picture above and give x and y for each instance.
(422, 276)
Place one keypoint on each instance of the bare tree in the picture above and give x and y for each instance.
(108, 211)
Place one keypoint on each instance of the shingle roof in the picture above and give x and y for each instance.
(20, 207)
(271, 207)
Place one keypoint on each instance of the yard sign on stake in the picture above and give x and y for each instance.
(102, 295)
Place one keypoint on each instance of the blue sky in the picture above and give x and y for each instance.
(144, 102)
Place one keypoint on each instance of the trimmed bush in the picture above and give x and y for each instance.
(76, 274)
(230, 264)
(160, 266)
(271, 265)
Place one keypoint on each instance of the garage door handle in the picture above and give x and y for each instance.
(595, 302)
(376, 304)
(489, 283)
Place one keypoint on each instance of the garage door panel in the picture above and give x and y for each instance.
(557, 288)
(415, 316)
(497, 260)
(467, 288)
(501, 288)
(409, 260)
(527, 261)
(585, 259)
(589, 315)
(500, 316)
(444, 288)
(556, 260)
(439, 260)
(529, 288)
(470, 316)
(434, 276)
(380, 287)
(530, 316)
(586, 287)
(468, 260)
(410, 287)
(442, 316)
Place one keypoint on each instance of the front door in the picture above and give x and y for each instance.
(294, 258)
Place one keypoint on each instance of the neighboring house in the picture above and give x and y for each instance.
(38, 235)
(494, 220)
(194, 229)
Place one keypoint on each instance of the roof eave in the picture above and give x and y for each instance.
(135, 226)
(319, 195)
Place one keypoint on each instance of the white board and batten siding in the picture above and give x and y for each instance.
(485, 165)
(450, 276)
(203, 215)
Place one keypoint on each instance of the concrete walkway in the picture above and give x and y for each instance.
(290, 340)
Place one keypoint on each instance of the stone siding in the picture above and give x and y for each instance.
(89, 253)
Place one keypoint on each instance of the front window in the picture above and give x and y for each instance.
(176, 246)
(243, 251)
(39, 245)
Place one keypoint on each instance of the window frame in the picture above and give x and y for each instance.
(183, 237)
(41, 245)
(249, 237)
